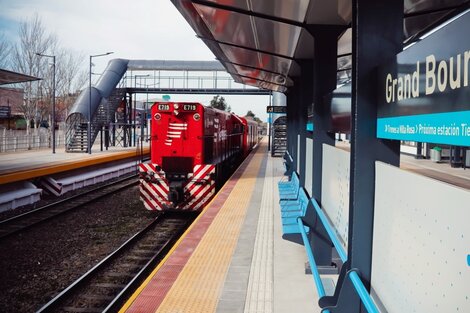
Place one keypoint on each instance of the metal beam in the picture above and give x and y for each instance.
(206, 91)
(324, 82)
(174, 65)
(369, 51)
(302, 114)
(293, 99)
(324, 71)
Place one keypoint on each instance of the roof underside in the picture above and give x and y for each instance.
(9, 77)
(260, 42)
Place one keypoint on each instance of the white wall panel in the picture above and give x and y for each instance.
(421, 243)
(335, 189)
(309, 166)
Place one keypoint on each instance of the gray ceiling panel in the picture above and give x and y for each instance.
(261, 41)
(344, 42)
(289, 9)
(256, 59)
(227, 26)
(279, 38)
(264, 85)
(248, 31)
(331, 12)
(263, 75)
(305, 46)
(293, 10)
(414, 24)
(415, 6)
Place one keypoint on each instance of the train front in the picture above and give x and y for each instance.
(176, 178)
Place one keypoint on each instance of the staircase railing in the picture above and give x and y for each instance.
(74, 122)
(104, 115)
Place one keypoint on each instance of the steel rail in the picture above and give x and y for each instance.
(71, 291)
(20, 222)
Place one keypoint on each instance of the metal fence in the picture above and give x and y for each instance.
(19, 140)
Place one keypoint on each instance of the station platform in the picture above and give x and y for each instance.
(437, 170)
(233, 258)
(20, 166)
(441, 171)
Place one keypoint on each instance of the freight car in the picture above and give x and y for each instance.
(193, 149)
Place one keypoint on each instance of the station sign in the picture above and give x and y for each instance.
(424, 92)
(309, 126)
(5, 111)
(276, 109)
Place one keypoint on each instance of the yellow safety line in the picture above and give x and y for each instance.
(139, 290)
(200, 283)
(65, 166)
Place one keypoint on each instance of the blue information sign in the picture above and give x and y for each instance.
(310, 126)
(451, 128)
(425, 91)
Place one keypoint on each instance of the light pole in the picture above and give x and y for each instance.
(145, 114)
(89, 103)
(53, 97)
(146, 108)
(133, 118)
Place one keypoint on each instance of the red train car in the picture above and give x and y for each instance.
(193, 147)
(250, 135)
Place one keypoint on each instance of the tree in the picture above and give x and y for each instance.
(70, 80)
(219, 102)
(253, 116)
(34, 39)
(4, 51)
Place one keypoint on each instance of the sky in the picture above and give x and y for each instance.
(138, 29)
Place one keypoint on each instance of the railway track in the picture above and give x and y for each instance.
(19, 223)
(106, 286)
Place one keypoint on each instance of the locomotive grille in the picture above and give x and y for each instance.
(178, 165)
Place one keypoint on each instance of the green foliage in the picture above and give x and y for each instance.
(253, 116)
(219, 102)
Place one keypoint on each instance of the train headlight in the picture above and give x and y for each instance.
(176, 112)
(176, 106)
(157, 116)
(197, 117)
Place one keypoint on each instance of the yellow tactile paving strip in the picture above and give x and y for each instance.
(199, 285)
(259, 296)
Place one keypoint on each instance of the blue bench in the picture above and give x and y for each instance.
(352, 274)
(293, 202)
(288, 190)
(288, 163)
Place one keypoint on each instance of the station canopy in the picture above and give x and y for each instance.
(261, 42)
(9, 77)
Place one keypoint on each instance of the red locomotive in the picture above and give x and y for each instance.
(193, 147)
